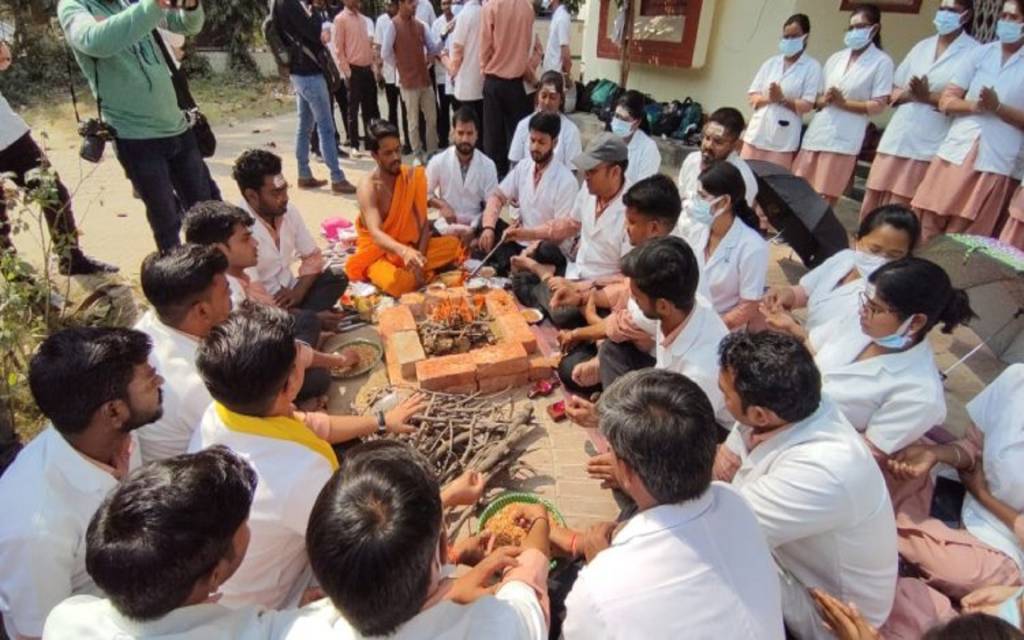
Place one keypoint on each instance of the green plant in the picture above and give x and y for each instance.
(234, 26)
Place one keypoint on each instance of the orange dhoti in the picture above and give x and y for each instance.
(404, 223)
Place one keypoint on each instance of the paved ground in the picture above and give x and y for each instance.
(114, 229)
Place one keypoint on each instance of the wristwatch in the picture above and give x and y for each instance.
(382, 425)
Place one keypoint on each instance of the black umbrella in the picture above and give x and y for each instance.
(801, 215)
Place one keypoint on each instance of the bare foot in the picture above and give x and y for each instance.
(587, 374)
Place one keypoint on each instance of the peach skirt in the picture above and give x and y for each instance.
(781, 158)
(893, 180)
(829, 173)
(958, 191)
(1013, 230)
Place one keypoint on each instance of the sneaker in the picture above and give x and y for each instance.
(79, 264)
(343, 187)
(311, 183)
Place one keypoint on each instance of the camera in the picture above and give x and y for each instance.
(95, 135)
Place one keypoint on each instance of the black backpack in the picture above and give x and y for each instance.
(272, 36)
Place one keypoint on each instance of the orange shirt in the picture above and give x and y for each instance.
(351, 41)
(505, 53)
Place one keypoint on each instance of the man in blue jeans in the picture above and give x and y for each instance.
(113, 45)
(301, 31)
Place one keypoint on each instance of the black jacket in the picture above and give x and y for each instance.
(296, 27)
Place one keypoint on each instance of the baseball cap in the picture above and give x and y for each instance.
(606, 147)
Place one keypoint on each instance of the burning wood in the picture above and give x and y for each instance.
(456, 325)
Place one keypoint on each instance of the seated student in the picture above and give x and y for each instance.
(394, 247)
(283, 238)
(378, 548)
(988, 549)
(550, 99)
(253, 368)
(722, 138)
(95, 386)
(880, 368)
(159, 547)
(818, 495)
(692, 561)
(831, 291)
(460, 178)
(629, 122)
(597, 218)
(542, 188)
(725, 232)
(189, 296)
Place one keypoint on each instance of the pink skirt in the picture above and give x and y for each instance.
(893, 180)
(1013, 230)
(781, 158)
(829, 173)
(958, 191)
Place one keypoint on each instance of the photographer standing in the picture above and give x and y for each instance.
(19, 154)
(115, 48)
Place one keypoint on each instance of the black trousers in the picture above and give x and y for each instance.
(307, 329)
(324, 293)
(505, 104)
(478, 108)
(340, 98)
(396, 105)
(618, 358)
(18, 159)
(362, 96)
(444, 116)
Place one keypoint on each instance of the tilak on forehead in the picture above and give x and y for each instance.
(947, 4)
(280, 182)
(1010, 7)
(714, 129)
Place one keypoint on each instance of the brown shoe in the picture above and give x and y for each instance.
(311, 183)
(344, 187)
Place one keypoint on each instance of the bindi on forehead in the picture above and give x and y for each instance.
(714, 130)
(280, 182)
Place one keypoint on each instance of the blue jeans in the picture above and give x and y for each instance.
(170, 176)
(314, 104)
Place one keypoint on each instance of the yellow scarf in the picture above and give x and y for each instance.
(278, 427)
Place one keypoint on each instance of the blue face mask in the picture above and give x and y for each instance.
(1008, 32)
(946, 22)
(700, 210)
(1010, 610)
(621, 128)
(789, 47)
(899, 340)
(857, 39)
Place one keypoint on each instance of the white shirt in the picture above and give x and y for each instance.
(699, 569)
(823, 505)
(838, 131)
(438, 27)
(916, 129)
(12, 126)
(689, 177)
(553, 198)
(425, 12)
(893, 399)
(274, 266)
(1000, 142)
(603, 240)
(94, 618)
(47, 497)
(738, 267)
(567, 147)
(827, 302)
(559, 35)
(275, 570)
(513, 613)
(185, 397)
(469, 83)
(387, 69)
(775, 127)
(644, 157)
(694, 353)
(467, 196)
(998, 412)
(432, 45)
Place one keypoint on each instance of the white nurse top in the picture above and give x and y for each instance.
(738, 267)
(893, 399)
(693, 352)
(827, 299)
(838, 131)
(644, 157)
(689, 176)
(775, 127)
(916, 129)
(998, 412)
(568, 146)
(1000, 141)
(602, 242)
(553, 196)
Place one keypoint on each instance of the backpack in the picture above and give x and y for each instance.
(601, 95)
(653, 113)
(608, 109)
(689, 128)
(583, 95)
(669, 119)
(272, 36)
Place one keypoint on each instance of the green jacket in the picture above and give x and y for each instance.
(115, 40)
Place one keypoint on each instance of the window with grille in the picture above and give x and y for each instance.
(662, 7)
(986, 14)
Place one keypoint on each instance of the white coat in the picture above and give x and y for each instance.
(466, 195)
(774, 127)
(738, 267)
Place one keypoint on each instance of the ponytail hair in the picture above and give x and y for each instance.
(874, 16)
(724, 179)
(918, 286)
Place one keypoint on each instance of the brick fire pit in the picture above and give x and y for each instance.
(512, 361)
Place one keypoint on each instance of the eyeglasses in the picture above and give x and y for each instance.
(870, 308)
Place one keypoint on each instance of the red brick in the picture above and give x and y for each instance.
(543, 367)
(500, 383)
(503, 359)
(395, 373)
(440, 374)
(463, 389)
(415, 303)
(404, 348)
(513, 328)
(500, 302)
(393, 320)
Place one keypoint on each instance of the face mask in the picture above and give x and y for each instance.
(946, 22)
(867, 263)
(789, 47)
(1010, 610)
(700, 210)
(456, 8)
(897, 340)
(1008, 32)
(857, 39)
(621, 128)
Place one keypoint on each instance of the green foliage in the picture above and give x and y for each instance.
(234, 27)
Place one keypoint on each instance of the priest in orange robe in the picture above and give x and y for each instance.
(395, 249)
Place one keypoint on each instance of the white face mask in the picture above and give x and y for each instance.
(867, 263)
(701, 210)
(899, 340)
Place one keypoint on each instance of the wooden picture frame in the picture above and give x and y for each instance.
(890, 6)
(657, 53)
